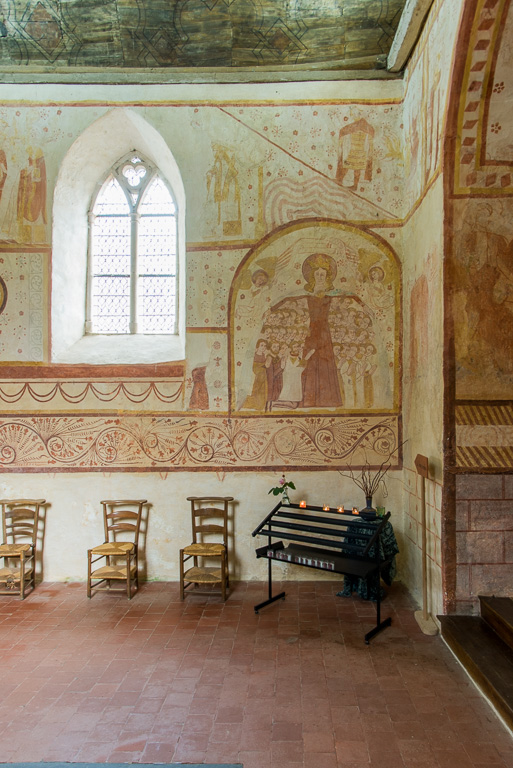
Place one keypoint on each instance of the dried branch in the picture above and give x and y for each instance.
(369, 482)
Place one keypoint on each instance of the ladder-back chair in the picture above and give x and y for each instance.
(20, 519)
(122, 523)
(210, 558)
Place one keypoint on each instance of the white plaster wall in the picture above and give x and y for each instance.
(74, 515)
(423, 399)
(427, 84)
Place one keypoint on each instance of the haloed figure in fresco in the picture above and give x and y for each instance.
(320, 378)
(315, 350)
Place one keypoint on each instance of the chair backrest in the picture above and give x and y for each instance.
(20, 518)
(122, 519)
(209, 518)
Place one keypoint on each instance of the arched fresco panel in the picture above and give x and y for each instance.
(314, 323)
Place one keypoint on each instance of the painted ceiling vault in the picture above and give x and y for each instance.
(197, 33)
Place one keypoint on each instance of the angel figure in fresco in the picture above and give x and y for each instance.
(223, 178)
(376, 277)
(299, 333)
(355, 147)
(257, 281)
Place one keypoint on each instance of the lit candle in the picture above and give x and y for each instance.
(355, 511)
(326, 507)
(302, 504)
(341, 509)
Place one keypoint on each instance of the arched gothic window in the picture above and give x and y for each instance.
(132, 260)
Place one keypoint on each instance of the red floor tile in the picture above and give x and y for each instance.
(159, 680)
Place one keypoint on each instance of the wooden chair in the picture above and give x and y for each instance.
(20, 518)
(122, 521)
(209, 519)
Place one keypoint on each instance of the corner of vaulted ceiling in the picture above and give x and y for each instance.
(410, 26)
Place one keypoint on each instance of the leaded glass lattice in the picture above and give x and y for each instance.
(133, 280)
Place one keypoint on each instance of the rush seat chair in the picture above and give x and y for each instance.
(119, 551)
(209, 548)
(20, 518)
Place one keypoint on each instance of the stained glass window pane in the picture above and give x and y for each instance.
(113, 256)
(157, 260)
(157, 245)
(111, 245)
(157, 199)
(111, 199)
(157, 310)
(111, 304)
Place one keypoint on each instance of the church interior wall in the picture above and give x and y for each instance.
(351, 181)
(479, 286)
(427, 87)
(276, 190)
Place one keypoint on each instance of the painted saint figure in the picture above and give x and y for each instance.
(31, 198)
(223, 176)
(320, 377)
(291, 393)
(258, 398)
(355, 151)
(274, 369)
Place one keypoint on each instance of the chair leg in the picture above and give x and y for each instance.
(223, 575)
(22, 576)
(182, 570)
(89, 573)
(128, 577)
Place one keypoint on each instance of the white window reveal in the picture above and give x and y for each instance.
(132, 274)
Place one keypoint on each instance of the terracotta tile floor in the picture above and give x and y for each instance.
(156, 680)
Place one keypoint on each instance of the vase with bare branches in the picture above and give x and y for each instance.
(371, 480)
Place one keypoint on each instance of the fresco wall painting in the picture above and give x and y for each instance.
(482, 276)
(267, 264)
(479, 194)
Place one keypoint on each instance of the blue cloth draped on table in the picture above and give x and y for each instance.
(367, 590)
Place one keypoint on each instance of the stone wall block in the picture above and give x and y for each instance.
(462, 515)
(508, 546)
(462, 582)
(480, 547)
(491, 516)
(491, 580)
(479, 486)
(467, 607)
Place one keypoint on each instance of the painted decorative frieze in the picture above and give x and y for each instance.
(139, 443)
(484, 434)
(483, 162)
